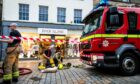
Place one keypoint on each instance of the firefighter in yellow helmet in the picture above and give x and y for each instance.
(10, 64)
(47, 57)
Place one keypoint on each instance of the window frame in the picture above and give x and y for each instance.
(43, 13)
(77, 15)
(61, 14)
(23, 11)
(109, 29)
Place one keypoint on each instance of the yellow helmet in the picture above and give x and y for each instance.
(60, 66)
(53, 65)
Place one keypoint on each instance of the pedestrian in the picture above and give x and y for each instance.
(10, 64)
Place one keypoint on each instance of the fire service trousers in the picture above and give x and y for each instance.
(10, 64)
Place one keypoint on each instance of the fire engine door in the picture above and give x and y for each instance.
(114, 31)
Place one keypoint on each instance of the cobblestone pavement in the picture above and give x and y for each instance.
(82, 75)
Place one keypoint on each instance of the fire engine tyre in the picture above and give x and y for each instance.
(129, 64)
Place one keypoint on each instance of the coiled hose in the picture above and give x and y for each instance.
(22, 71)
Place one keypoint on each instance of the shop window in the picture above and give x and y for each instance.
(60, 37)
(77, 15)
(45, 36)
(72, 47)
(43, 13)
(23, 12)
(61, 14)
(30, 47)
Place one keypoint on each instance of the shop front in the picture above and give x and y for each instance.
(37, 36)
(38, 40)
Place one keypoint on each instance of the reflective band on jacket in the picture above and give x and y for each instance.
(109, 36)
(16, 74)
(7, 77)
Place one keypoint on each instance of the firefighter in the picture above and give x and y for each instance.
(10, 64)
(47, 57)
(57, 56)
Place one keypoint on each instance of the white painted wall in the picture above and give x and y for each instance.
(30, 30)
(11, 8)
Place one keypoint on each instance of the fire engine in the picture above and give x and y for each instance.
(111, 38)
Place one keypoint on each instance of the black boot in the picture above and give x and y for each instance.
(7, 82)
(15, 79)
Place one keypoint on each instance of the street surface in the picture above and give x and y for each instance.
(80, 75)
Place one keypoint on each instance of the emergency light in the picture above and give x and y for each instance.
(103, 1)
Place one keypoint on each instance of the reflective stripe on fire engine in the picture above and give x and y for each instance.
(132, 36)
(110, 36)
(114, 35)
(98, 35)
(87, 38)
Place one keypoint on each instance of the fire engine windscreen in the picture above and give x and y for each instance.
(93, 22)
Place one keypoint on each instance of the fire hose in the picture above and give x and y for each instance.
(22, 71)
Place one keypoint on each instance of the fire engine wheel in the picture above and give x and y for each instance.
(129, 64)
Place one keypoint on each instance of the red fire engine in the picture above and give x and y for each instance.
(111, 38)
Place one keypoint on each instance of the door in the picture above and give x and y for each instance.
(115, 31)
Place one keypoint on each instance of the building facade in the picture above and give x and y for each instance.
(59, 22)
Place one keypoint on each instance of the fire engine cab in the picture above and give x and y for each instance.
(111, 38)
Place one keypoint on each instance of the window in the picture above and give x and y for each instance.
(77, 15)
(23, 12)
(93, 22)
(43, 13)
(61, 14)
(132, 20)
(114, 21)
